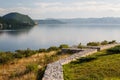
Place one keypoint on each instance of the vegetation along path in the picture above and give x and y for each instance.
(54, 70)
(103, 65)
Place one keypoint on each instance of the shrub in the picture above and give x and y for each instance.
(93, 44)
(59, 53)
(24, 53)
(5, 57)
(63, 46)
(10, 56)
(104, 42)
(42, 50)
(53, 48)
(31, 67)
(114, 50)
(112, 42)
(18, 55)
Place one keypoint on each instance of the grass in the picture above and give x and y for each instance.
(29, 68)
(99, 66)
(30, 65)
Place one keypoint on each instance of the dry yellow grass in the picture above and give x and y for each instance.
(18, 66)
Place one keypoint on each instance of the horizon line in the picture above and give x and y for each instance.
(75, 18)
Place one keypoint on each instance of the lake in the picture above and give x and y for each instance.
(46, 35)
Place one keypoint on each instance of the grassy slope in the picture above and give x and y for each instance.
(98, 66)
(15, 70)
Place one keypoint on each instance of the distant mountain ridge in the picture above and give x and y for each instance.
(50, 21)
(104, 20)
(15, 20)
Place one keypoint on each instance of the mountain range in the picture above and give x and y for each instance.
(104, 20)
(50, 21)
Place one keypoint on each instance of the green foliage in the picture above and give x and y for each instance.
(99, 66)
(42, 50)
(31, 67)
(104, 42)
(93, 44)
(5, 57)
(114, 50)
(2, 20)
(112, 42)
(9, 56)
(16, 21)
(47, 59)
(63, 46)
(52, 48)
(17, 55)
(24, 53)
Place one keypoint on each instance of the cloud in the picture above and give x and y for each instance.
(68, 9)
(77, 6)
(45, 4)
(2, 10)
(16, 9)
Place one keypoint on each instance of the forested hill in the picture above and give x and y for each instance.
(15, 20)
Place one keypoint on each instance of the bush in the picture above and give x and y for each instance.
(53, 48)
(42, 50)
(112, 42)
(5, 57)
(63, 46)
(18, 55)
(24, 53)
(104, 42)
(10, 56)
(31, 67)
(114, 50)
(93, 44)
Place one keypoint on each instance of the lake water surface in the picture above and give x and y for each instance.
(44, 36)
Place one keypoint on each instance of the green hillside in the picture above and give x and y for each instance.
(102, 65)
(15, 20)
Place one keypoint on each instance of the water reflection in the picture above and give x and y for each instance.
(16, 32)
(43, 36)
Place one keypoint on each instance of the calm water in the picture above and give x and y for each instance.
(44, 36)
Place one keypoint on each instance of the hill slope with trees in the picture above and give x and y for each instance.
(15, 20)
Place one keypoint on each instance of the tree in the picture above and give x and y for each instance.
(104, 42)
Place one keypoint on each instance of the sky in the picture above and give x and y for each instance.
(42, 9)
